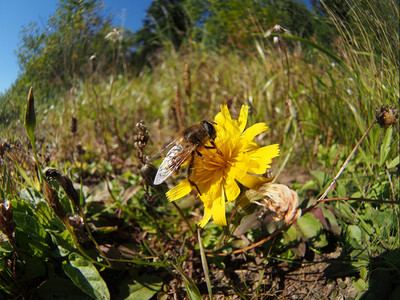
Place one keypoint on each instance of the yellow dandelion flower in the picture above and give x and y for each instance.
(238, 159)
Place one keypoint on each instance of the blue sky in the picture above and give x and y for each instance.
(16, 13)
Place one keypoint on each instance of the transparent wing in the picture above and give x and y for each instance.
(175, 157)
(159, 153)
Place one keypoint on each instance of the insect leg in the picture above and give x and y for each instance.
(213, 146)
(189, 171)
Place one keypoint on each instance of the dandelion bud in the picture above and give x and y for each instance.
(30, 116)
(66, 184)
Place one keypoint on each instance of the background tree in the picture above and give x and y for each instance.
(56, 57)
(165, 27)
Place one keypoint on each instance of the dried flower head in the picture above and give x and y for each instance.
(113, 35)
(387, 115)
(239, 159)
(7, 224)
(277, 198)
(54, 202)
(277, 29)
(141, 140)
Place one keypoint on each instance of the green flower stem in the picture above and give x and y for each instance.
(204, 264)
(82, 251)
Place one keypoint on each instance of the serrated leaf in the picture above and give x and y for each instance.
(85, 276)
(385, 147)
(143, 288)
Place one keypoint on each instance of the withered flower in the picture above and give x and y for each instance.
(387, 115)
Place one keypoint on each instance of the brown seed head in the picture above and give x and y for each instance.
(141, 140)
(387, 115)
(54, 202)
(7, 224)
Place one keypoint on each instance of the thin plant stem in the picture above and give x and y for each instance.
(204, 264)
(344, 164)
(185, 220)
(391, 183)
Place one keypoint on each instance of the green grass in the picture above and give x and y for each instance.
(318, 103)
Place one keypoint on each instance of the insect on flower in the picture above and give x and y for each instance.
(189, 142)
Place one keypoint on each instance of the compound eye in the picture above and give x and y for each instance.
(210, 129)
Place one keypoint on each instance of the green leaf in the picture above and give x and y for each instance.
(358, 118)
(191, 287)
(63, 241)
(321, 177)
(385, 147)
(354, 236)
(34, 268)
(85, 276)
(143, 287)
(332, 221)
(30, 234)
(60, 288)
(312, 230)
(393, 163)
(360, 285)
(30, 117)
(291, 235)
(5, 246)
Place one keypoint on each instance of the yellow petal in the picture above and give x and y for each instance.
(252, 181)
(207, 217)
(182, 189)
(231, 189)
(244, 111)
(261, 158)
(218, 211)
(250, 133)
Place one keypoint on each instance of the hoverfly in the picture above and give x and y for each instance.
(184, 146)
